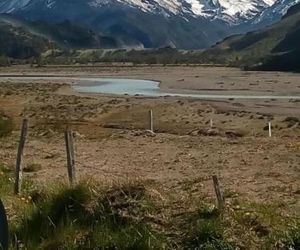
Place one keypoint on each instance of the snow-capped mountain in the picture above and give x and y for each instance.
(229, 10)
(275, 11)
(154, 23)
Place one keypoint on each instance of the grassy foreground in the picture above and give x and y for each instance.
(126, 216)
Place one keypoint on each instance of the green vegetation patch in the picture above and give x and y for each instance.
(83, 218)
(207, 231)
(126, 216)
(6, 125)
(6, 181)
(293, 236)
(4, 61)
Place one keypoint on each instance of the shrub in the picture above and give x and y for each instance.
(207, 231)
(4, 61)
(6, 125)
(82, 218)
(293, 237)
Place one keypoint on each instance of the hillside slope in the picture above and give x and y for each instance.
(23, 39)
(133, 27)
(269, 48)
(19, 44)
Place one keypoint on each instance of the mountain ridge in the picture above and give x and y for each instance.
(184, 24)
(214, 9)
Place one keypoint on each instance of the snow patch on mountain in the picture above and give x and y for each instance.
(242, 8)
(50, 3)
(279, 8)
(154, 6)
(12, 5)
(197, 7)
(231, 11)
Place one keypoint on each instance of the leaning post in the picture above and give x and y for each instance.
(18, 177)
(219, 194)
(69, 141)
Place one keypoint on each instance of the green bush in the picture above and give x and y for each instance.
(81, 218)
(4, 61)
(6, 186)
(206, 231)
(293, 237)
(6, 125)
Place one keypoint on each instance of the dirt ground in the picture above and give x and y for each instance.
(112, 142)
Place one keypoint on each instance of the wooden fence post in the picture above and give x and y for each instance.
(18, 181)
(219, 194)
(69, 140)
(3, 228)
(151, 120)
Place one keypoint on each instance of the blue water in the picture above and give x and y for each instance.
(120, 87)
(149, 88)
(116, 86)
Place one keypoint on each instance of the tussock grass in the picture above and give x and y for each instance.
(206, 230)
(83, 217)
(32, 167)
(127, 216)
(6, 125)
(293, 237)
(6, 181)
(264, 225)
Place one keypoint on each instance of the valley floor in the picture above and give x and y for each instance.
(180, 158)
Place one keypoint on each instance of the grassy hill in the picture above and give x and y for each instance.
(17, 43)
(269, 48)
(21, 39)
(69, 35)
